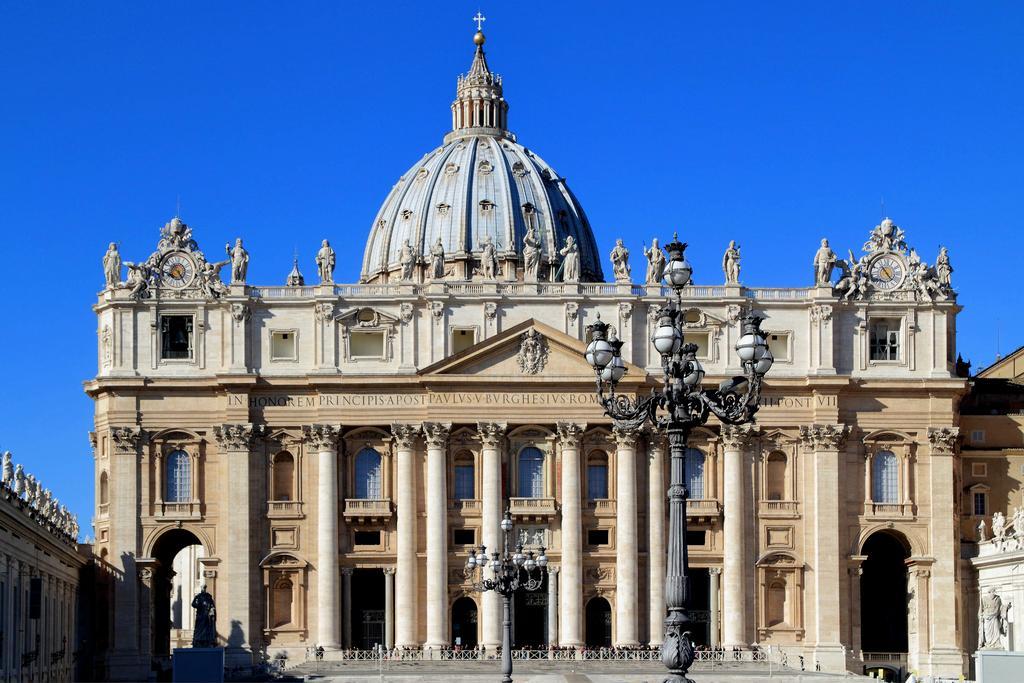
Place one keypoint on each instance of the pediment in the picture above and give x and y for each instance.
(529, 350)
(365, 316)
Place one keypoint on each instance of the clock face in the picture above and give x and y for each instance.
(887, 272)
(177, 271)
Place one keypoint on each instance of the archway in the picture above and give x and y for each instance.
(176, 580)
(883, 593)
(464, 623)
(599, 623)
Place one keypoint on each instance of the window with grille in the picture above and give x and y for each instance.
(179, 477)
(175, 337)
(884, 339)
(531, 473)
(464, 482)
(885, 478)
(368, 475)
(695, 473)
(597, 478)
(980, 504)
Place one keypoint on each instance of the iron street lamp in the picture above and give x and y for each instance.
(678, 407)
(510, 572)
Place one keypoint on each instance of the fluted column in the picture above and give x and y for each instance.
(406, 604)
(389, 607)
(491, 436)
(436, 436)
(569, 435)
(324, 440)
(734, 618)
(656, 493)
(825, 440)
(626, 593)
(716, 617)
(552, 605)
(236, 613)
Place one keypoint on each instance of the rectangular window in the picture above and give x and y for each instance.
(700, 339)
(462, 340)
(464, 482)
(884, 339)
(464, 536)
(175, 337)
(979, 469)
(979, 504)
(597, 536)
(696, 537)
(597, 482)
(977, 436)
(367, 538)
(366, 344)
(778, 342)
(282, 345)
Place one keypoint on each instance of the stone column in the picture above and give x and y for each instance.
(491, 436)
(323, 439)
(436, 436)
(626, 579)
(736, 631)
(235, 614)
(570, 617)
(940, 582)
(406, 603)
(825, 440)
(125, 662)
(346, 600)
(656, 495)
(552, 605)
(716, 616)
(389, 607)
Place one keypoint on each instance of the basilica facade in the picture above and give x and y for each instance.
(324, 456)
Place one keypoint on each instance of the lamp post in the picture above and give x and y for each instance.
(679, 406)
(510, 572)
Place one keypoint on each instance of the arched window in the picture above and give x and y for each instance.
(179, 477)
(284, 476)
(531, 473)
(464, 488)
(597, 476)
(368, 475)
(885, 477)
(775, 477)
(103, 488)
(695, 473)
(281, 604)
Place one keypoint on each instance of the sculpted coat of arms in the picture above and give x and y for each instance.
(533, 352)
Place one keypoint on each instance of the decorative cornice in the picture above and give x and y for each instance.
(824, 437)
(436, 433)
(735, 437)
(944, 440)
(126, 439)
(625, 435)
(405, 435)
(570, 433)
(491, 433)
(322, 437)
(236, 437)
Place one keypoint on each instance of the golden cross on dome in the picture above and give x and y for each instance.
(479, 19)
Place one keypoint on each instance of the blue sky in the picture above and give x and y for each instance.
(774, 124)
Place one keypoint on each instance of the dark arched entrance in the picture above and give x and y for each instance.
(599, 623)
(464, 623)
(883, 593)
(167, 606)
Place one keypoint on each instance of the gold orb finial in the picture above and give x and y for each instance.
(478, 38)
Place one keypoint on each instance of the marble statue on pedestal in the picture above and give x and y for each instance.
(620, 262)
(992, 621)
(981, 531)
(8, 469)
(204, 632)
(209, 279)
(943, 270)
(138, 278)
(31, 490)
(824, 262)
(407, 260)
(655, 263)
(998, 527)
(731, 264)
(570, 268)
(239, 261)
(531, 255)
(488, 258)
(325, 263)
(112, 266)
(19, 481)
(437, 260)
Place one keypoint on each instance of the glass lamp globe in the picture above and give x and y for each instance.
(481, 558)
(495, 564)
(506, 524)
(542, 561)
(751, 347)
(530, 563)
(667, 339)
(764, 364)
(599, 353)
(471, 560)
(614, 371)
(695, 373)
(678, 273)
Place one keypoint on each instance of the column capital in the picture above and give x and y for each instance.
(405, 435)
(346, 571)
(553, 569)
(824, 437)
(436, 433)
(735, 437)
(944, 440)
(322, 437)
(570, 433)
(389, 571)
(491, 433)
(126, 439)
(625, 435)
(236, 437)
(715, 571)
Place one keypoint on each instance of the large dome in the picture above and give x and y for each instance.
(479, 187)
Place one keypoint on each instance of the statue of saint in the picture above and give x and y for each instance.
(531, 255)
(981, 531)
(112, 266)
(1018, 523)
(8, 471)
(992, 621)
(239, 261)
(998, 526)
(209, 278)
(570, 268)
(620, 262)
(824, 262)
(19, 481)
(731, 264)
(437, 260)
(204, 632)
(325, 263)
(943, 270)
(407, 259)
(488, 258)
(138, 278)
(655, 263)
